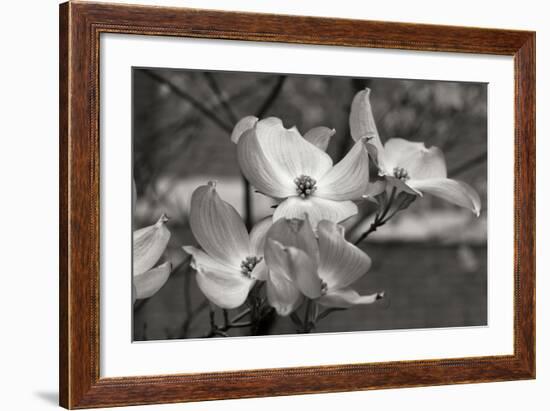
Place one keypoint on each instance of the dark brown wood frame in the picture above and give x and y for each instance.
(80, 27)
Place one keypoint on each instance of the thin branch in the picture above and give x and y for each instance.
(228, 324)
(225, 318)
(272, 96)
(307, 323)
(296, 320)
(139, 304)
(241, 94)
(187, 300)
(184, 95)
(221, 97)
(378, 219)
(240, 316)
(234, 119)
(247, 204)
(459, 169)
(189, 320)
(326, 312)
(241, 325)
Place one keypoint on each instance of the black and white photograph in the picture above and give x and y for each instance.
(275, 205)
(270, 204)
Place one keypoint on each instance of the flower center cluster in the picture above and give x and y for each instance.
(324, 287)
(401, 173)
(305, 185)
(248, 264)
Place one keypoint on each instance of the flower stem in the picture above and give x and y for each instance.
(228, 324)
(247, 205)
(382, 217)
(308, 324)
(240, 316)
(379, 218)
(297, 321)
(328, 311)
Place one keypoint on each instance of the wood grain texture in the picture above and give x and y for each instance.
(80, 27)
(63, 204)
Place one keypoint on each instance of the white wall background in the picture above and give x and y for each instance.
(28, 162)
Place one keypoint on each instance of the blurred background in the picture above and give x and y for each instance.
(431, 260)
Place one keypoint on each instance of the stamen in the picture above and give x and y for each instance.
(248, 265)
(305, 185)
(401, 173)
(324, 287)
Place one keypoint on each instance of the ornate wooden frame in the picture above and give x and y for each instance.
(80, 27)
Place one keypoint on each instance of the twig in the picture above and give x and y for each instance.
(467, 164)
(307, 324)
(271, 96)
(234, 118)
(228, 324)
(384, 217)
(328, 311)
(296, 320)
(378, 219)
(187, 294)
(139, 304)
(189, 320)
(225, 318)
(241, 315)
(220, 96)
(240, 325)
(184, 95)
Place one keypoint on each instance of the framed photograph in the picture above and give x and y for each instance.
(260, 205)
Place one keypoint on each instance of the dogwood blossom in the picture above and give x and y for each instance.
(322, 269)
(149, 244)
(297, 172)
(409, 166)
(231, 259)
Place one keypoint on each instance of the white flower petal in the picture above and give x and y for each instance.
(258, 236)
(294, 265)
(316, 208)
(402, 185)
(260, 271)
(202, 261)
(225, 286)
(341, 263)
(376, 155)
(375, 187)
(226, 289)
(148, 283)
(282, 294)
(295, 233)
(288, 151)
(218, 227)
(456, 192)
(244, 124)
(347, 297)
(276, 259)
(320, 136)
(149, 244)
(259, 171)
(303, 271)
(349, 178)
(361, 120)
(419, 161)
